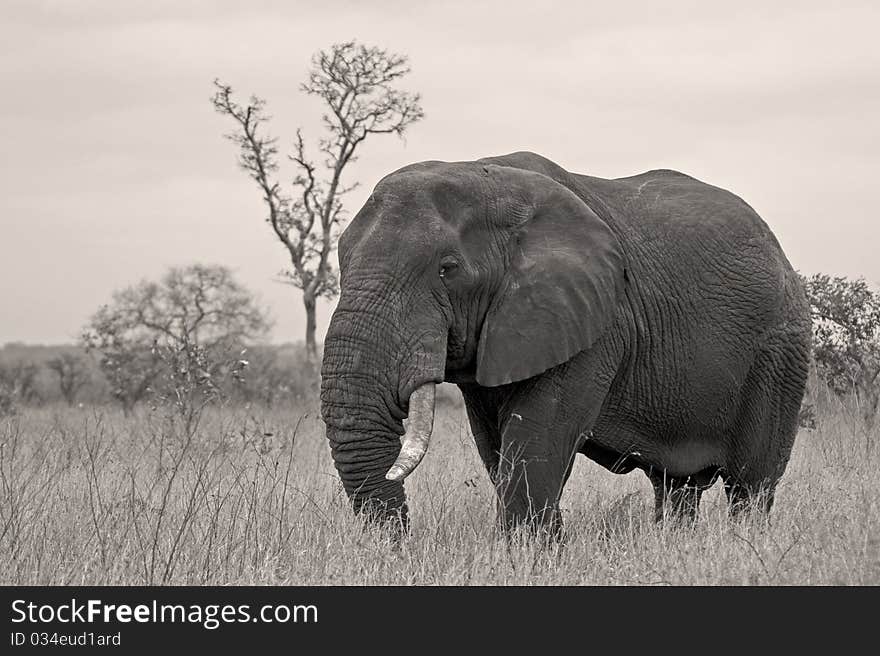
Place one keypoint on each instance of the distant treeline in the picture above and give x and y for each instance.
(35, 374)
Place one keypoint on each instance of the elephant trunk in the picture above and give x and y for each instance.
(362, 462)
(370, 380)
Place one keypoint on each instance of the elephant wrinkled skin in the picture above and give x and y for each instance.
(648, 322)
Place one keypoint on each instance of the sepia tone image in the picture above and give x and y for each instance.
(449, 293)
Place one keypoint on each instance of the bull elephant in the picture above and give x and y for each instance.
(651, 322)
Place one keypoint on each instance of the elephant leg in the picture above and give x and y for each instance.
(535, 461)
(514, 438)
(519, 459)
(529, 482)
(487, 437)
(675, 497)
(543, 424)
(767, 425)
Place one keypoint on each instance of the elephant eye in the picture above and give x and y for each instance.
(448, 267)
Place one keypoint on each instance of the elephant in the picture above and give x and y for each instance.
(649, 322)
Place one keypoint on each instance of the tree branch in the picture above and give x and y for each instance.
(355, 82)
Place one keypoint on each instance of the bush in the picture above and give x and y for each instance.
(159, 334)
(17, 385)
(276, 374)
(846, 338)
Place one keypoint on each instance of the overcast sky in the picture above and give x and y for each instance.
(114, 168)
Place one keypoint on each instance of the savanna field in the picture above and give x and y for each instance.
(250, 496)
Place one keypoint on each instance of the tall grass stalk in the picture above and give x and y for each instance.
(250, 496)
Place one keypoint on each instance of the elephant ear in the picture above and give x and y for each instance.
(562, 286)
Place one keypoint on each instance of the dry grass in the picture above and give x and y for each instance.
(89, 497)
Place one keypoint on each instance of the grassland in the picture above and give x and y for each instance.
(250, 496)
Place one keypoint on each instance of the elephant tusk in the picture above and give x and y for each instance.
(418, 433)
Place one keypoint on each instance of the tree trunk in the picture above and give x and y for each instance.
(311, 347)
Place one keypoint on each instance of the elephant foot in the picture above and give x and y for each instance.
(675, 499)
(744, 499)
(518, 522)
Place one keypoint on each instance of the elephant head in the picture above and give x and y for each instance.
(470, 272)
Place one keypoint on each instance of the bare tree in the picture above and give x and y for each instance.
(356, 83)
(197, 304)
(72, 372)
(183, 327)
